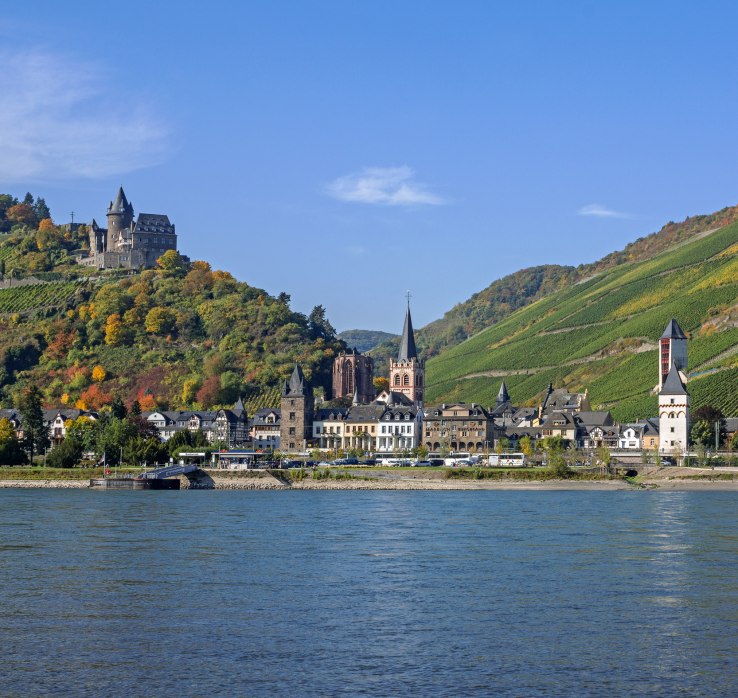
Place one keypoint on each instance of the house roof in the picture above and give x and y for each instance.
(365, 413)
(502, 396)
(673, 384)
(154, 223)
(601, 418)
(673, 331)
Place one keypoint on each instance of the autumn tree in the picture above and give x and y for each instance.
(22, 213)
(99, 374)
(172, 263)
(115, 333)
(380, 383)
(160, 320)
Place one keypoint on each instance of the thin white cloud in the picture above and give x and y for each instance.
(389, 186)
(59, 119)
(599, 211)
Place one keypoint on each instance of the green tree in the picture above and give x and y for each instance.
(160, 320)
(66, 454)
(11, 452)
(172, 263)
(702, 432)
(36, 433)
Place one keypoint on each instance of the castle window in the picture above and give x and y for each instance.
(292, 416)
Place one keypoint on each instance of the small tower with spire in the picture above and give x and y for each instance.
(672, 350)
(407, 373)
(297, 405)
(673, 414)
(502, 396)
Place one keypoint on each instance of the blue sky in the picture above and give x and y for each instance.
(345, 152)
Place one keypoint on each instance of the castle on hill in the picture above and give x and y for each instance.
(127, 243)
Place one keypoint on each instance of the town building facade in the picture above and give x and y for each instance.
(352, 377)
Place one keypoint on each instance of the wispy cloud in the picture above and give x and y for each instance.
(599, 211)
(389, 186)
(59, 119)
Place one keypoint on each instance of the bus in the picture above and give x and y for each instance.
(507, 460)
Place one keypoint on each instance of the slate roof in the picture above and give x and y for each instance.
(330, 413)
(121, 204)
(365, 413)
(599, 418)
(298, 385)
(407, 343)
(673, 331)
(502, 396)
(673, 384)
(154, 223)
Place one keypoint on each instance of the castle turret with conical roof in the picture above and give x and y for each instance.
(120, 217)
(407, 373)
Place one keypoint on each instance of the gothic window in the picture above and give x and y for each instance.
(397, 379)
(406, 379)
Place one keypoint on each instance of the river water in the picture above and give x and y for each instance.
(393, 593)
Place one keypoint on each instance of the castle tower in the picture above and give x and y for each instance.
(672, 350)
(352, 374)
(120, 218)
(297, 406)
(407, 373)
(673, 414)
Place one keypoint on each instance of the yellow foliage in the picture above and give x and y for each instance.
(99, 374)
(727, 274)
(80, 404)
(113, 330)
(65, 399)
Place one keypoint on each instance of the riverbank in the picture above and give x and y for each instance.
(405, 479)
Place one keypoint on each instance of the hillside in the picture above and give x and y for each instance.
(517, 290)
(601, 333)
(365, 340)
(181, 336)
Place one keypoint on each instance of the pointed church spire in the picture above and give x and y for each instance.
(407, 343)
(502, 396)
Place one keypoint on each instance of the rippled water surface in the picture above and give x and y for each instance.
(368, 593)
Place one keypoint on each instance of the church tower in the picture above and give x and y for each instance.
(297, 405)
(673, 414)
(672, 350)
(407, 373)
(120, 218)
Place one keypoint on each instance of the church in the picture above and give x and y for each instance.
(127, 243)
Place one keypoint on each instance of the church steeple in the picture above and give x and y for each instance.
(502, 396)
(407, 343)
(407, 372)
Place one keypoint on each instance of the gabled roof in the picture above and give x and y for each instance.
(673, 331)
(673, 384)
(154, 223)
(601, 418)
(407, 343)
(365, 413)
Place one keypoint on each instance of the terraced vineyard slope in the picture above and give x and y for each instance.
(601, 334)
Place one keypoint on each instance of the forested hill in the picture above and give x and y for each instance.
(517, 290)
(365, 340)
(601, 334)
(181, 336)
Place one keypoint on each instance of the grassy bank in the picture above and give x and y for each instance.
(523, 475)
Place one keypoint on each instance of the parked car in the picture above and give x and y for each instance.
(422, 464)
(346, 461)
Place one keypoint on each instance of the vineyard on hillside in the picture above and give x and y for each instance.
(602, 335)
(32, 297)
